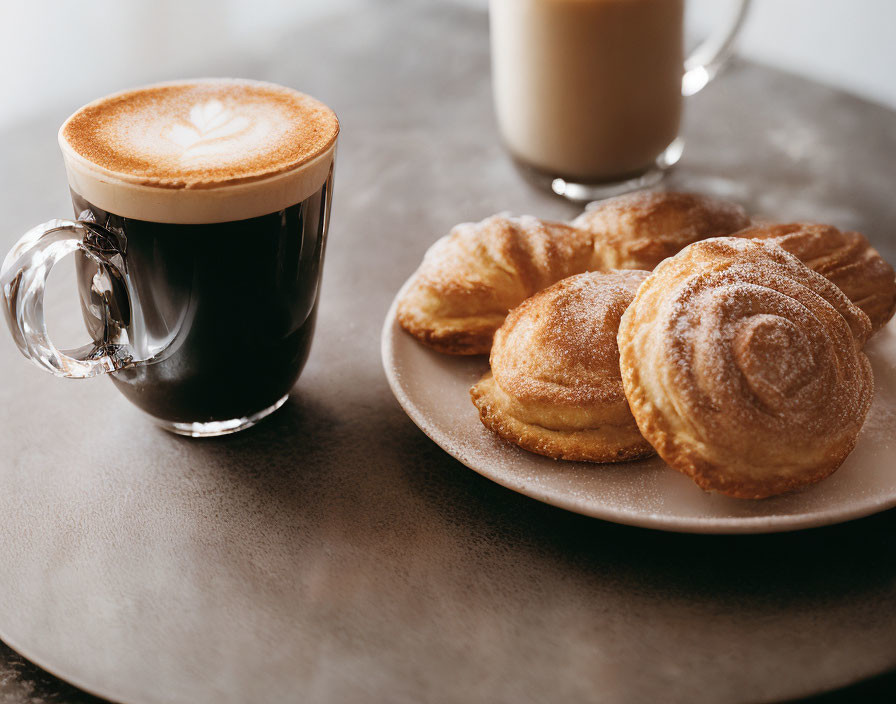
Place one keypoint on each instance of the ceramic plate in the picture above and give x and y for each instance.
(433, 389)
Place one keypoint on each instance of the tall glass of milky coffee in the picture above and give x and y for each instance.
(201, 213)
(588, 93)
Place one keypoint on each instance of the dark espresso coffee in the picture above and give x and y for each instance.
(201, 222)
(223, 314)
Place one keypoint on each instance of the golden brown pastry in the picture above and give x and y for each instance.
(845, 258)
(471, 278)
(641, 229)
(555, 386)
(744, 369)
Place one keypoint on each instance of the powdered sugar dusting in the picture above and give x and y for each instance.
(751, 359)
(560, 345)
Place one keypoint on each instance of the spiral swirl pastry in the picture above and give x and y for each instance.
(554, 387)
(744, 369)
(845, 258)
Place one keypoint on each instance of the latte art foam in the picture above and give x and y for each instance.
(214, 133)
(202, 134)
(212, 150)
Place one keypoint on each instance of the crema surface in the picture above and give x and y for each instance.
(201, 134)
(208, 150)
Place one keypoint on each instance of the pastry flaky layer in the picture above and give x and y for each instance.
(554, 387)
(472, 277)
(638, 230)
(847, 259)
(744, 369)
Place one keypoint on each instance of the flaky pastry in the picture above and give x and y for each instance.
(845, 258)
(472, 277)
(554, 387)
(641, 229)
(744, 369)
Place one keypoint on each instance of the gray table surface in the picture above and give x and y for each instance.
(334, 553)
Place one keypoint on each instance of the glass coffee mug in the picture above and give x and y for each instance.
(588, 93)
(202, 210)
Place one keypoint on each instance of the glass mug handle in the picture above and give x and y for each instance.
(706, 60)
(23, 278)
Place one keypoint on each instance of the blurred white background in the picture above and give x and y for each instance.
(58, 54)
(847, 43)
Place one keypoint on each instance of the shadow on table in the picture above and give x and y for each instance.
(383, 485)
(308, 455)
(387, 467)
(21, 682)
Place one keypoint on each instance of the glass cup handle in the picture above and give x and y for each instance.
(706, 60)
(23, 278)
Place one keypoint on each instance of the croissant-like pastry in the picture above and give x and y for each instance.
(472, 277)
(641, 229)
(845, 258)
(744, 368)
(554, 387)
